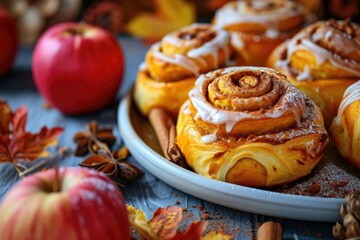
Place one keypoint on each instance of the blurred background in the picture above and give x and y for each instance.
(149, 20)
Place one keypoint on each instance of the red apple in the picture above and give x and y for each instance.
(86, 206)
(77, 67)
(8, 41)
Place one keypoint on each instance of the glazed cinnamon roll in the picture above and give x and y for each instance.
(258, 26)
(250, 126)
(345, 129)
(172, 65)
(322, 61)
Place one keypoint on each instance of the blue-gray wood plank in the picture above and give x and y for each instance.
(149, 193)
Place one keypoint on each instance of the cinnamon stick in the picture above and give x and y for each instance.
(165, 130)
(270, 231)
(173, 149)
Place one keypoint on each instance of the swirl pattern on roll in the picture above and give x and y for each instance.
(189, 51)
(250, 126)
(334, 47)
(240, 95)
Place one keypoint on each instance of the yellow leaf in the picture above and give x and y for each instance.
(218, 236)
(168, 16)
(137, 219)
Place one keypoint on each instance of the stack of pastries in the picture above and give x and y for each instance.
(258, 26)
(257, 126)
(172, 66)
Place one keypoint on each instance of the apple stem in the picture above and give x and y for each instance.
(80, 28)
(56, 182)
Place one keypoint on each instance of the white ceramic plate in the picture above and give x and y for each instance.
(226, 194)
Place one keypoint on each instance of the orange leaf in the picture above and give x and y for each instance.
(194, 231)
(165, 222)
(164, 225)
(17, 144)
(168, 16)
(218, 236)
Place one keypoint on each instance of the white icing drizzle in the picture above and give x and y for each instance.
(209, 138)
(238, 12)
(352, 94)
(142, 66)
(236, 40)
(272, 33)
(208, 113)
(186, 108)
(300, 42)
(219, 42)
(176, 59)
(305, 75)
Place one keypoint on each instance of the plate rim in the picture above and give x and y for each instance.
(245, 198)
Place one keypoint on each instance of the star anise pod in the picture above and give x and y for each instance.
(108, 15)
(113, 164)
(82, 139)
(350, 213)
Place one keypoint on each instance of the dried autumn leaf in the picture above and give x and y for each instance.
(165, 222)
(82, 139)
(194, 231)
(15, 143)
(138, 220)
(164, 225)
(218, 236)
(168, 16)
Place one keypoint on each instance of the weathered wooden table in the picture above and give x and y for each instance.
(148, 193)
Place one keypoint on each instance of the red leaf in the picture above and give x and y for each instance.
(17, 144)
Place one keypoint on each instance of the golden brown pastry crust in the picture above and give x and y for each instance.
(345, 129)
(258, 26)
(216, 142)
(321, 61)
(172, 65)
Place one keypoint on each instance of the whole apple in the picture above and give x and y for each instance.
(85, 205)
(77, 67)
(8, 41)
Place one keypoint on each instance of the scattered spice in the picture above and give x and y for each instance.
(314, 188)
(83, 139)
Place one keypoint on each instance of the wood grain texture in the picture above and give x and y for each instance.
(148, 193)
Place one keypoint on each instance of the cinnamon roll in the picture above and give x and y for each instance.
(321, 61)
(345, 129)
(258, 26)
(250, 126)
(172, 65)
